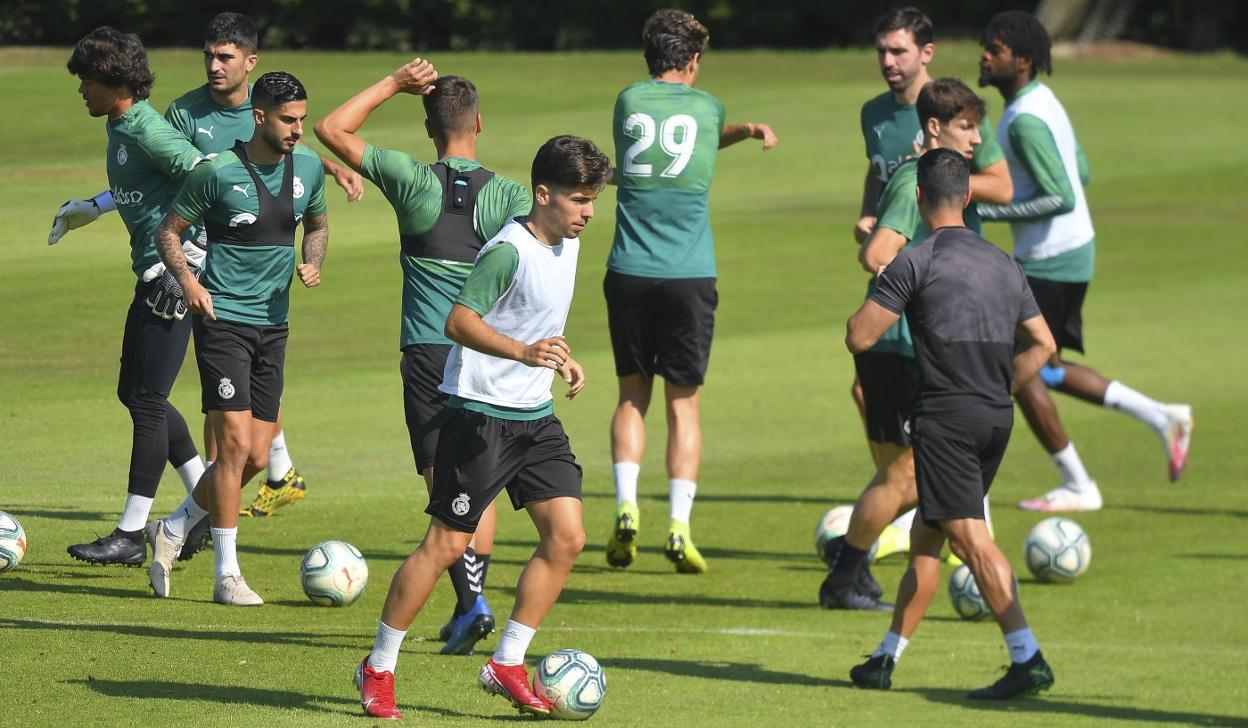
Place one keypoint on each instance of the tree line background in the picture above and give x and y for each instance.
(420, 25)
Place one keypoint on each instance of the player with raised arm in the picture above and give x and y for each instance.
(507, 325)
(966, 302)
(660, 282)
(445, 212)
(1055, 243)
(951, 114)
(146, 162)
(250, 198)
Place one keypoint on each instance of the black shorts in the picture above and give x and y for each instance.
(424, 406)
(954, 464)
(661, 326)
(889, 383)
(152, 349)
(1061, 304)
(240, 366)
(479, 455)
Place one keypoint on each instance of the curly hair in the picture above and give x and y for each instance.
(1024, 35)
(569, 162)
(276, 88)
(671, 39)
(108, 56)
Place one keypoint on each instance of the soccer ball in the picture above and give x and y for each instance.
(964, 593)
(834, 524)
(333, 574)
(12, 542)
(1058, 550)
(572, 682)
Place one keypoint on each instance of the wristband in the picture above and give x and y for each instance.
(104, 201)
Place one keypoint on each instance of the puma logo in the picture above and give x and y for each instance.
(243, 189)
(208, 131)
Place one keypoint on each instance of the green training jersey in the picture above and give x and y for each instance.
(249, 283)
(666, 138)
(899, 211)
(891, 130)
(212, 128)
(147, 161)
(415, 192)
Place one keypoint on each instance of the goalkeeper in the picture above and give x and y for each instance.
(146, 162)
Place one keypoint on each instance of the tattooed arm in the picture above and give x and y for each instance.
(169, 245)
(315, 241)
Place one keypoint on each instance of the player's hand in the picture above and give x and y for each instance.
(71, 216)
(309, 275)
(351, 182)
(198, 299)
(415, 77)
(863, 229)
(551, 353)
(167, 299)
(764, 132)
(574, 375)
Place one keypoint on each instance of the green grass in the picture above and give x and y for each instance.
(1153, 633)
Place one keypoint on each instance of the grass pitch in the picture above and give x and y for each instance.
(1153, 633)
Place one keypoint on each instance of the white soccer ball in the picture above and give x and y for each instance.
(12, 542)
(964, 593)
(572, 682)
(835, 523)
(1057, 550)
(333, 574)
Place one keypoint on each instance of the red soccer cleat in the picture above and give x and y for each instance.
(376, 692)
(512, 682)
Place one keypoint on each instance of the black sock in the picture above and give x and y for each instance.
(465, 597)
(845, 565)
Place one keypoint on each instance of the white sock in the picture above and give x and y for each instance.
(1071, 467)
(905, 521)
(279, 458)
(386, 648)
(626, 481)
(1119, 396)
(134, 515)
(987, 515)
(682, 492)
(184, 518)
(892, 645)
(190, 473)
(1022, 645)
(223, 541)
(514, 643)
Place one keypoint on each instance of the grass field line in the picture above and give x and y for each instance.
(1053, 645)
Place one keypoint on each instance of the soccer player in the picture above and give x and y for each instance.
(507, 325)
(890, 130)
(1055, 244)
(951, 115)
(147, 161)
(966, 302)
(660, 282)
(445, 211)
(251, 198)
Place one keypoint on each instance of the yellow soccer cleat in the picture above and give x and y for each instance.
(681, 551)
(622, 546)
(291, 490)
(892, 540)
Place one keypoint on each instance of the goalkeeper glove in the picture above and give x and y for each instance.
(167, 299)
(76, 213)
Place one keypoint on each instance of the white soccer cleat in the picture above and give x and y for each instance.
(232, 590)
(1177, 437)
(1065, 500)
(165, 550)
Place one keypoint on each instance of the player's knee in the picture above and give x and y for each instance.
(146, 407)
(1052, 376)
(565, 545)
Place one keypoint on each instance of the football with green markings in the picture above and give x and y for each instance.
(572, 682)
(333, 573)
(12, 542)
(1057, 550)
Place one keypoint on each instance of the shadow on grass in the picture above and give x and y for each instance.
(1047, 705)
(303, 639)
(589, 596)
(734, 671)
(61, 514)
(1215, 557)
(25, 585)
(657, 550)
(1178, 511)
(828, 500)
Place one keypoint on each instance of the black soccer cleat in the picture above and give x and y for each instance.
(1021, 678)
(118, 547)
(874, 674)
(866, 582)
(197, 539)
(835, 595)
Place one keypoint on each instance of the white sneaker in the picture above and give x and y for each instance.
(1062, 499)
(231, 589)
(1177, 437)
(165, 550)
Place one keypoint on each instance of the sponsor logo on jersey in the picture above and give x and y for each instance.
(884, 169)
(127, 197)
(460, 506)
(879, 130)
(242, 218)
(298, 187)
(122, 155)
(225, 388)
(244, 189)
(207, 132)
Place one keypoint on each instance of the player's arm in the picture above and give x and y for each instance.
(337, 131)
(866, 213)
(734, 133)
(867, 325)
(348, 179)
(880, 249)
(893, 291)
(1036, 150)
(77, 213)
(1034, 334)
(1081, 161)
(992, 184)
(178, 288)
(315, 243)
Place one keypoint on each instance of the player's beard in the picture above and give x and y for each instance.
(274, 142)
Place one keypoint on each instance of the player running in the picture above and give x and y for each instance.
(251, 198)
(507, 324)
(445, 211)
(660, 282)
(966, 301)
(146, 161)
(1056, 245)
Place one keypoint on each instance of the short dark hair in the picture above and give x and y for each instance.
(671, 39)
(452, 106)
(569, 162)
(945, 98)
(1024, 35)
(911, 19)
(234, 28)
(276, 88)
(108, 56)
(944, 178)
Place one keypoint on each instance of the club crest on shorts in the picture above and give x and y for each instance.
(122, 155)
(459, 506)
(226, 389)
